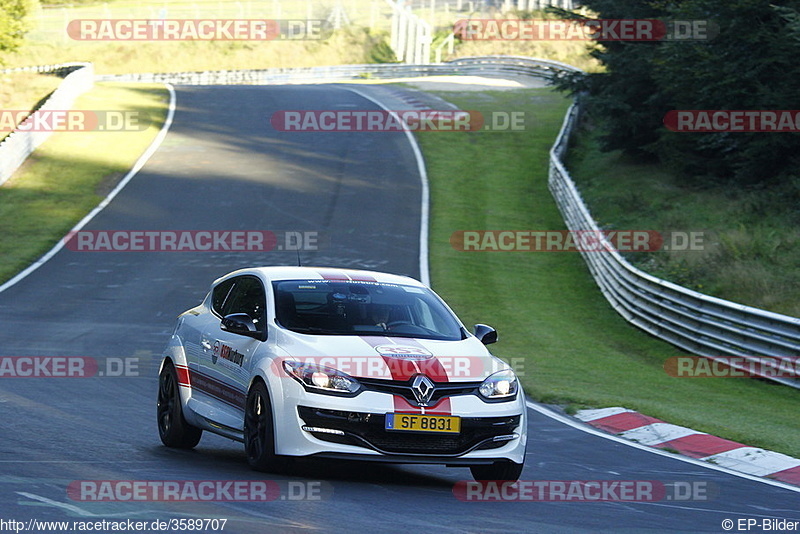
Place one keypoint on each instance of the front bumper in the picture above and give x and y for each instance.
(367, 430)
(490, 431)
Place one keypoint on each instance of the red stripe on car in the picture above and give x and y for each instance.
(360, 277)
(401, 405)
(183, 375)
(333, 275)
(219, 390)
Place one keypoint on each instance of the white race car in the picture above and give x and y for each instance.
(302, 361)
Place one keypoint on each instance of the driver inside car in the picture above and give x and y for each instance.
(380, 315)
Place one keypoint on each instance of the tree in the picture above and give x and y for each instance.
(750, 65)
(13, 24)
(623, 100)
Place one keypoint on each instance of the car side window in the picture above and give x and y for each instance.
(220, 295)
(248, 296)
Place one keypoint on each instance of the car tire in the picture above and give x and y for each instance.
(504, 470)
(173, 429)
(259, 430)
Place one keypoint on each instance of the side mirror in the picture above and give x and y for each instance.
(241, 324)
(485, 333)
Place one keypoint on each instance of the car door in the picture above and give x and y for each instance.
(230, 355)
(195, 328)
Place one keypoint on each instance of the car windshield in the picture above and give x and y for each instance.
(333, 307)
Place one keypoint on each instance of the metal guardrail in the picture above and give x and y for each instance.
(483, 66)
(751, 340)
(698, 323)
(18, 145)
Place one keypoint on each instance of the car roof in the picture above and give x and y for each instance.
(323, 273)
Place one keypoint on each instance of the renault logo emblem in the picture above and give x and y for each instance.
(423, 389)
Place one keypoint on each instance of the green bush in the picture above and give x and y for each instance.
(13, 24)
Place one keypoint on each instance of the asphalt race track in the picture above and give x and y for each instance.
(223, 167)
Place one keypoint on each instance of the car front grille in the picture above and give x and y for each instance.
(367, 430)
(403, 389)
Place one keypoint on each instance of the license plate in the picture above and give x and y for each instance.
(423, 423)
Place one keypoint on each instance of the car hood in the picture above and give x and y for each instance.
(393, 358)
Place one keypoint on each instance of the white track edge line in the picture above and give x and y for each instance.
(547, 412)
(424, 273)
(114, 192)
(56, 504)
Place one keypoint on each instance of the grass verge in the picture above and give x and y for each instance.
(364, 38)
(21, 91)
(71, 173)
(548, 311)
(349, 46)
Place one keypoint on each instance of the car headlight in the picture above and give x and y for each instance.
(320, 378)
(500, 385)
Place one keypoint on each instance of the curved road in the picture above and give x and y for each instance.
(223, 167)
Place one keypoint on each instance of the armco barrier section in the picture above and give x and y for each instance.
(14, 149)
(700, 324)
(479, 66)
